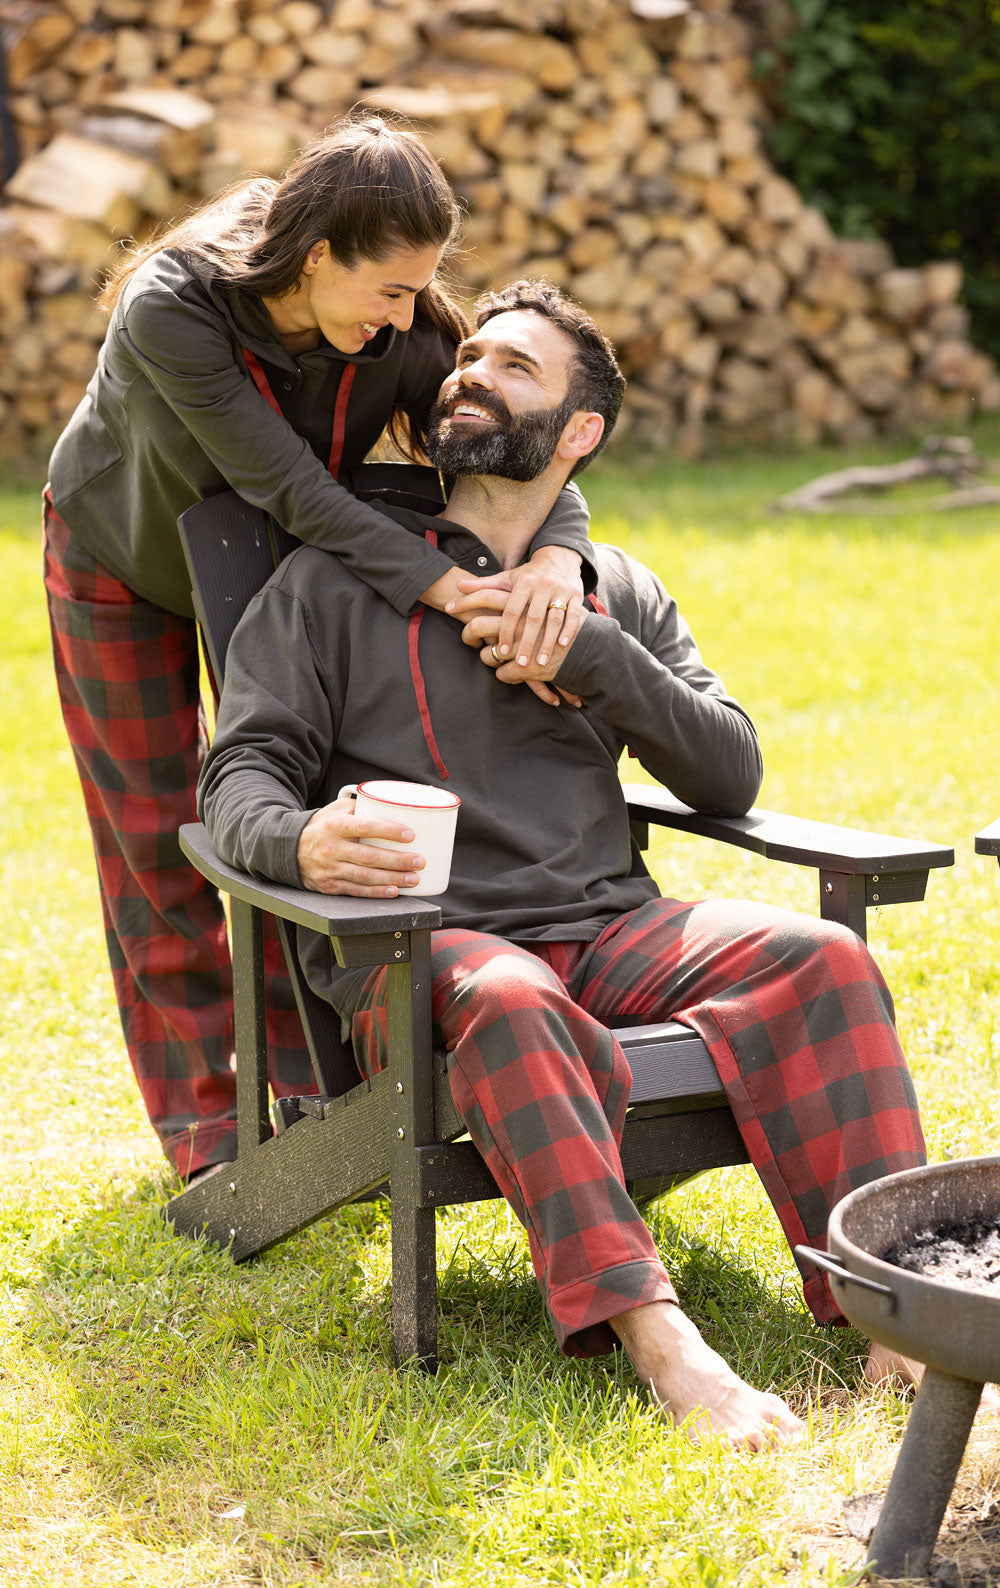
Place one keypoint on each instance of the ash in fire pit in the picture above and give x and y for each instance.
(963, 1253)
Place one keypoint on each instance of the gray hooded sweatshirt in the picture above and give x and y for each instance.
(324, 683)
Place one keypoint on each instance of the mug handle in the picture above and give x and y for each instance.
(348, 788)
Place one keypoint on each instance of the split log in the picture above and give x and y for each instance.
(614, 146)
(93, 181)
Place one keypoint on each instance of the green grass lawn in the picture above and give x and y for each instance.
(166, 1419)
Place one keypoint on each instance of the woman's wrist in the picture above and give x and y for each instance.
(563, 558)
(443, 590)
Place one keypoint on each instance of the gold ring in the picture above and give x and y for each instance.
(557, 606)
(493, 653)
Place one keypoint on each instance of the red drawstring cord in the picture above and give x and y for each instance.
(419, 687)
(263, 385)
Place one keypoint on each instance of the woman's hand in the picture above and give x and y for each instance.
(443, 591)
(533, 610)
(544, 606)
(333, 855)
(482, 632)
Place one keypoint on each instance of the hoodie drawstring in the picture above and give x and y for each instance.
(419, 687)
(263, 385)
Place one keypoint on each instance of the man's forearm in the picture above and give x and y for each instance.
(252, 821)
(697, 742)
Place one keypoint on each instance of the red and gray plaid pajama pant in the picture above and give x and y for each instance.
(798, 1021)
(129, 688)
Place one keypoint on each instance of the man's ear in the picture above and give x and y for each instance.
(581, 435)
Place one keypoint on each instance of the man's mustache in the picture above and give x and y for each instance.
(480, 397)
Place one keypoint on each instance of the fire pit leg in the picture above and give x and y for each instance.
(926, 1468)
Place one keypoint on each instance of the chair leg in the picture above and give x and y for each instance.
(253, 1125)
(414, 1286)
(414, 1271)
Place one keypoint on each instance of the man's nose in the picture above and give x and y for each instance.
(476, 374)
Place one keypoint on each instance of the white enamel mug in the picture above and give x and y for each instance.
(432, 814)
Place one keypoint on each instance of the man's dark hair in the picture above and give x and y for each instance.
(597, 385)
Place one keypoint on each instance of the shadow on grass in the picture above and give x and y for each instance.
(128, 1309)
(967, 1553)
(185, 1384)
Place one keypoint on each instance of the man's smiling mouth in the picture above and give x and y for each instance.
(470, 411)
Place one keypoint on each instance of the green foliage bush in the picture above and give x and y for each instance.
(887, 116)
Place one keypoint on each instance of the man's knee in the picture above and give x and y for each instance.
(505, 983)
(812, 963)
(796, 938)
(844, 950)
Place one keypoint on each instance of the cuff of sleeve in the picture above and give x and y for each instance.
(406, 596)
(283, 845)
(585, 653)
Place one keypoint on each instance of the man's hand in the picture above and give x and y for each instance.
(533, 611)
(334, 855)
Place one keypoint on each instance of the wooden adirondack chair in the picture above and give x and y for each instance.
(988, 841)
(398, 1131)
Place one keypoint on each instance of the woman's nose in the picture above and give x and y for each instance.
(401, 316)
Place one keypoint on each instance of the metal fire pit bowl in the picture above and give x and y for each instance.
(953, 1329)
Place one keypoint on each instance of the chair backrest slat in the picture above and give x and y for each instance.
(232, 549)
(229, 552)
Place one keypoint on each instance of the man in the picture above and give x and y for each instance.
(551, 922)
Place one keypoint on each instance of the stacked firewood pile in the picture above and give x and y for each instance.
(611, 145)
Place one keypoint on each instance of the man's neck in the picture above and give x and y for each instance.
(504, 514)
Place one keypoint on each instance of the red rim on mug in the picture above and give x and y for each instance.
(415, 795)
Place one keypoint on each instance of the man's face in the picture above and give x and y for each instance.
(504, 409)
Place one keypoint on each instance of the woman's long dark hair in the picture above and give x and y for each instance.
(368, 187)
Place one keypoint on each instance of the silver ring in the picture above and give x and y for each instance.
(557, 606)
(493, 653)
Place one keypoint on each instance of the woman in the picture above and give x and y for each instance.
(260, 344)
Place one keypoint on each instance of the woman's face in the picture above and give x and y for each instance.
(349, 306)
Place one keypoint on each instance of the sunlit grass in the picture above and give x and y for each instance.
(166, 1419)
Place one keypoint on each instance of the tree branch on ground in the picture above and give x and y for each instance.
(948, 457)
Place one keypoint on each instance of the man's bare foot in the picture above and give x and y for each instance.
(885, 1366)
(693, 1385)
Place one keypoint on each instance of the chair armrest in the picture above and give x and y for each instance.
(334, 916)
(988, 841)
(791, 838)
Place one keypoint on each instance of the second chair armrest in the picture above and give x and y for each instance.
(334, 916)
(988, 841)
(791, 838)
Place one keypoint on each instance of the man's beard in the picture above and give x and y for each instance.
(515, 447)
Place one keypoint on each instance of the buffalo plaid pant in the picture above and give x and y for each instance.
(129, 688)
(798, 1021)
